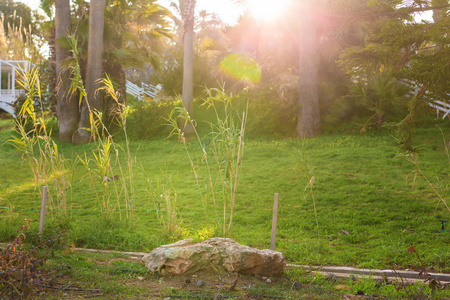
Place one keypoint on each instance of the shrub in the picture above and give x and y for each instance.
(18, 268)
(267, 113)
(378, 95)
(148, 119)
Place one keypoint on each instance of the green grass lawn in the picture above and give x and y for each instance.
(360, 187)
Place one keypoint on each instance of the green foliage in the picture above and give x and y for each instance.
(148, 119)
(268, 115)
(404, 49)
(15, 14)
(19, 32)
(379, 95)
(431, 70)
(102, 157)
(171, 74)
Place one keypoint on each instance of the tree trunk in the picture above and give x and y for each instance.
(188, 63)
(67, 105)
(93, 102)
(308, 122)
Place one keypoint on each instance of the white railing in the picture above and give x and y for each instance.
(7, 99)
(440, 106)
(6, 103)
(140, 91)
(10, 92)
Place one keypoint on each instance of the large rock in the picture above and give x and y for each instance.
(186, 257)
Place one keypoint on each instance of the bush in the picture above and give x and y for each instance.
(267, 113)
(19, 275)
(148, 119)
(378, 95)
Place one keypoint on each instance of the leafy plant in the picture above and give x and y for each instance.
(378, 95)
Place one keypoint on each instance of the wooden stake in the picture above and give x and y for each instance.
(43, 204)
(274, 221)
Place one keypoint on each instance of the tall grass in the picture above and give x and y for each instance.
(17, 43)
(120, 115)
(222, 157)
(100, 165)
(306, 171)
(38, 149)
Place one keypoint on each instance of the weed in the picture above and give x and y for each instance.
(19, 268)
(412, 158)
(302, 166)
(169, 215)
(204, 234)
(446, 145)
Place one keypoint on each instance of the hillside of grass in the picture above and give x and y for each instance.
(360, 186)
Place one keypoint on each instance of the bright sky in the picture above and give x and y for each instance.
(227, 10)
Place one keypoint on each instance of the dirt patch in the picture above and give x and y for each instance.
(138, 283)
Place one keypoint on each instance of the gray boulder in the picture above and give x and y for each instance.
(187, 257)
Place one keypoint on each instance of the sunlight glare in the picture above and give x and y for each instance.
(267, 9)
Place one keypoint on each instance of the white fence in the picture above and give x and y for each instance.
(141, 91)
(440, 106)
(7, 98)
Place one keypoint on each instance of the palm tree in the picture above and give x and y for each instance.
(187, 9)
(67, 105)
(133, 37)
(308, 122)
(94, 69)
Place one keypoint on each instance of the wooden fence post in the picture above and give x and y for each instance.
(274, 221)
(43, 204)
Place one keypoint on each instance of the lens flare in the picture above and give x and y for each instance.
(241, 66)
